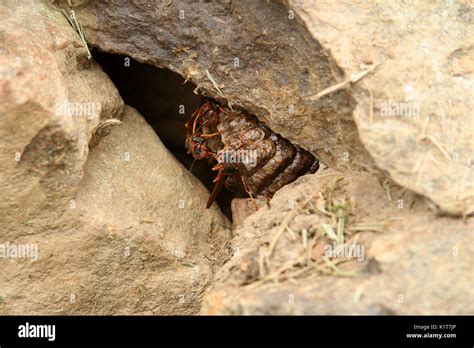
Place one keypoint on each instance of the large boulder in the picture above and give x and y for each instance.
(414, 112)
(292, 64)
(97, 216)
(252, 54)
(394, 257)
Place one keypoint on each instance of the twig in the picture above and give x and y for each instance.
(337, 270)
(292, 234)
(284, 225)
(421, 167)
(211, 258)
(340, 226)
(304, 236)
(214, 83)
(77, 27)
(353, 79)
(438, 145)
(370, 226)
(216, 86)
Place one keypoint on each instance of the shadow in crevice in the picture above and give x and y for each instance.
(165, 101)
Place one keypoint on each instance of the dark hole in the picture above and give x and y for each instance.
(165, 101)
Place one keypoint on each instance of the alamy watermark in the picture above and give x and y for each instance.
(404, 108)
(18, 251)
(247, 157)
(28, 330)
(349, 251)
(77, 109)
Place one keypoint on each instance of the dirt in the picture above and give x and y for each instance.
(395, 259)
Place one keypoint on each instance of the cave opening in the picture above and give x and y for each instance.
(165, 100)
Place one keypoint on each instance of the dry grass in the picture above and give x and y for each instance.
(332, 209)
(77, 26)
(351, 80)
(216, 86)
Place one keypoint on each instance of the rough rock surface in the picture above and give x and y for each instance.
(153, 243)
(405, 259)
(414, 113)
(117, 229)
(51, 98)
(259, 54)
(119, 224)
(270, 58)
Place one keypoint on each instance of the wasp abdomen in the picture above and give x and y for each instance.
(275, 161)
(303, 163)
(284, 154)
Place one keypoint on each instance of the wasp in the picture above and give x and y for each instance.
(262, 161)
(195, 138)
(228, 175)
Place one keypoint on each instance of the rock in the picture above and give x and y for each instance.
(270, 70)
(99, 218)
(243, 208)
(397, 259)
(51, 97)
(117, 229)
(154, 243)
(412, 111)
(274, 71)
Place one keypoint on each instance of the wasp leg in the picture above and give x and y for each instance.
(209, 135)
(219, 182)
